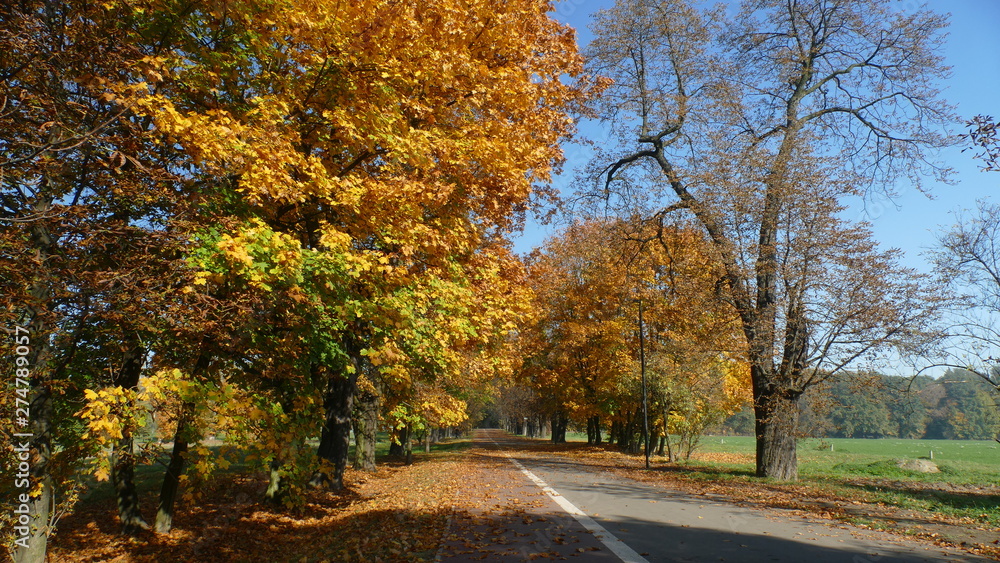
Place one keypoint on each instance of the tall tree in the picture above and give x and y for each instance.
(85, 201)
(968, 257)
(760, 124)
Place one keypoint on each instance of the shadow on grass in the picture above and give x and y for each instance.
(934, 498)
(705, 472)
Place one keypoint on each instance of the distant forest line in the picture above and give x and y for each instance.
(959, 405)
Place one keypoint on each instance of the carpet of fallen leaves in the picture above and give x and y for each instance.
(802, 498)
(445, 503)
(500, 516)
(398, 513)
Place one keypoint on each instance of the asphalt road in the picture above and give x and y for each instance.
(631, 521)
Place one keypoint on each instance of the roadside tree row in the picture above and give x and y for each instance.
(267, 221)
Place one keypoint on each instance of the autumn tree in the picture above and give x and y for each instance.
(760, 124)
(393, 136)
(85, 204)
(272, 180)
(584, 351)
(578, 349)
(968, 258)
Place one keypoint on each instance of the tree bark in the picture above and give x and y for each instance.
(594, 430)
(408, 448)
(123, 458)
(335, 440)
(31, 546)
(396, 448)
(559, 423)
(172, 478)
(776, 417)
(275, 485)
(366, 407)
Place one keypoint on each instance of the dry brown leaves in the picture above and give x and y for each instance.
(402, 513)
(501, 516)
(396, 514)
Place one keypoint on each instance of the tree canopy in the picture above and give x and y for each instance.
(759, 123)
(227, 218)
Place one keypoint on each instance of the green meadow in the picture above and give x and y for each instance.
(967, 485)
(962, 462)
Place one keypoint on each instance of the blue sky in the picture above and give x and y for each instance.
(911, 221)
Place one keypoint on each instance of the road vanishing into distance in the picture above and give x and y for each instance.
(548, 507)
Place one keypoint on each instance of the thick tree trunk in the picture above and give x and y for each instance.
(408, 447)
(335, 440)
(366, 407)
(175, 468)
(31, 537)
(396, 448)
(621, 434)
(31, 543)
(123, 480)
(559, 423)
(776, 425)
(123, 457)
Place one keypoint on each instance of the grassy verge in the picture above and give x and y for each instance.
(967, 485)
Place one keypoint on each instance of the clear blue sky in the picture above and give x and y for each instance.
(911, 221)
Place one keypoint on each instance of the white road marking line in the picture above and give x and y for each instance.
(617, 546)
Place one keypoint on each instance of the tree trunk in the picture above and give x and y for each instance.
(275, 485)
(172, 478)
(408, 447)
(622, 434)
(123, 457)
(559, 423)
(335, 440)
(776, 424)
(635, 434)
(366, 406)
(594, 430)
(123, 480)
(396, 448)
(31, 536)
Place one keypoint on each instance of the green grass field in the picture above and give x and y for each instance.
(965, 487)
(962, 462)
